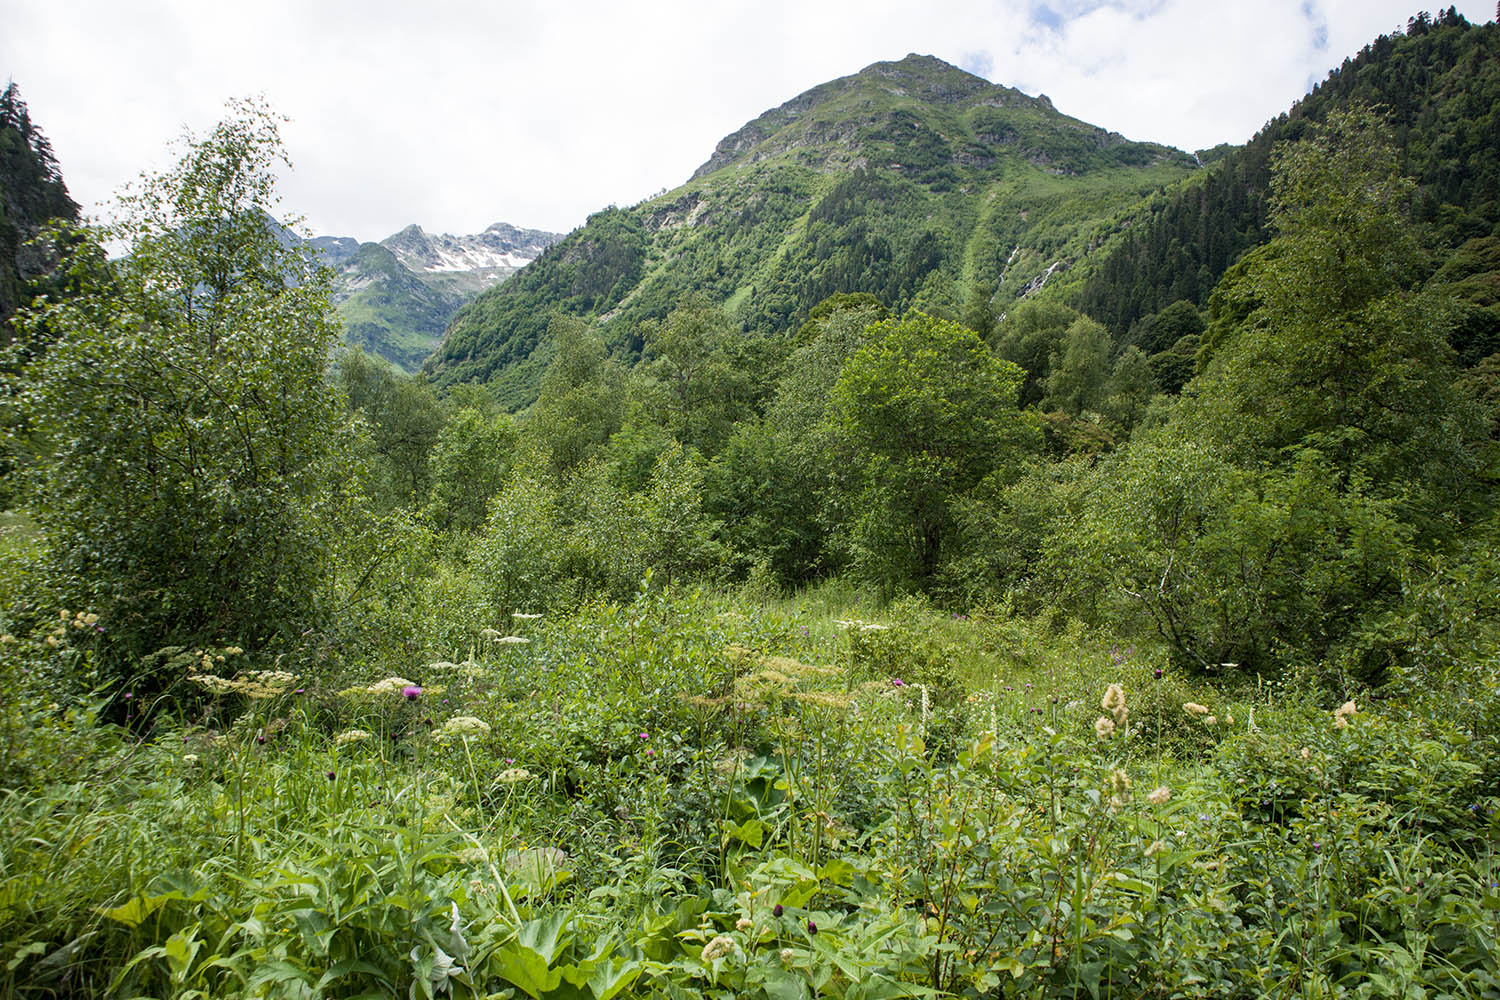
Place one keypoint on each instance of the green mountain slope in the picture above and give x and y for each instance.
(912, 180)
(1439, 84)
(387, 310)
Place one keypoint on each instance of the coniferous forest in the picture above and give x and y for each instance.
(943, 549)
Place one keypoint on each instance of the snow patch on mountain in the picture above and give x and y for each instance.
(501, 249)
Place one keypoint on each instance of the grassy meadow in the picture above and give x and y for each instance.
(695, 794)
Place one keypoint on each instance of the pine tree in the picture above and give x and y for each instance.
(31, 194)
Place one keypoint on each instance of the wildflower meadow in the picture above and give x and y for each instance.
(699, 794)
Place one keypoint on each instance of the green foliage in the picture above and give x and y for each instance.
(522, 541)
(672, 797)
(548, 543)
(773, 486)
(926, 413)
(582, 400)
(470, 462)
(1438, 86)
(1130, 389)
(1079, 369)
(1005, 535)
(1237, 568)
(1030, 335)
(1472, 277)
(1334, 351)
(188, 445)
(403, 421)
(701, 375)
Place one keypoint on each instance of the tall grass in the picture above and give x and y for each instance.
(692, 794)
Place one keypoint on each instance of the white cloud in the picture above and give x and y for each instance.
(466, 112)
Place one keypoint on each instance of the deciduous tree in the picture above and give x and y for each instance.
(188, 441)
(926, 412)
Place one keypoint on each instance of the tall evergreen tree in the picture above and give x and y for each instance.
(31, 194)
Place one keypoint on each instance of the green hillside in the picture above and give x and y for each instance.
(1439, 85)
(389, 311)
(911, 180)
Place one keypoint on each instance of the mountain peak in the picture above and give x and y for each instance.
(927, 78)
(834, 114)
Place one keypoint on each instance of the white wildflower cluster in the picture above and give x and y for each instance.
(718, 948)
(1344, 713)
(1113, 703)
(863, 626)
(349, 736)
(391, 685)
(501, 639)
(255, 684)
(464, 725)
(512, 775)
(1202, 713)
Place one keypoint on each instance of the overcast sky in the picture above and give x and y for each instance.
(458, 113)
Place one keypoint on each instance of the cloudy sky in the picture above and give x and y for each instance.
(458, 113)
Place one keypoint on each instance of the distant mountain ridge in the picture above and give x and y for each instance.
(397, 296)
(500, 248)
(912, 180)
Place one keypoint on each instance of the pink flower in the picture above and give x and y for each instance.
(411, 692)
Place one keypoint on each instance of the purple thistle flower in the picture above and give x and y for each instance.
(777, 910)
(411, 692)
(897, 682)
(812, 928)
(331, 775)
